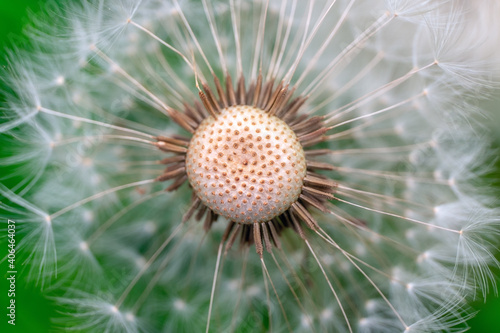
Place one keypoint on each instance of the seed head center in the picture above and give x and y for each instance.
(246, 165)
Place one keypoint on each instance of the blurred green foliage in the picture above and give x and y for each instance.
(33, 311)
(13, 16)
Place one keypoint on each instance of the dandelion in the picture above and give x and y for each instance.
(249, 166)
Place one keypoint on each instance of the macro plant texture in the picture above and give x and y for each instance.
(346, 194)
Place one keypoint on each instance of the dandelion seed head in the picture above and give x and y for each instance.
(246, 165)
(375, 222)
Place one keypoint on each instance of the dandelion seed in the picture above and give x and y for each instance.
(190, 166)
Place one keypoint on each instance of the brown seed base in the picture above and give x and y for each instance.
(276, 101)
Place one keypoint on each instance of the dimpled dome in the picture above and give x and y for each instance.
(246, 165)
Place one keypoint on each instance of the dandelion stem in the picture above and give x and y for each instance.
(368, 279)
(95, 122)
(147, 265)
(150, 33)
(348, 222)
(165, 108)
(273, 72)
(297, 299)
(290, 72)
(241, 285)
(356, 44)
(264, 268)
(99, 195)
(381, 150)
(377, 92)
(103, 227)
(378, 195)
(258, 43)
(284, 257)
(279, 32)
(235, 23)
(193, 37)
(355, 130)
(389, 108)
(159, 272)
(327, 41)
(330, 285)
(346, 86)
(99, 138)
(399, 216)
(390, 175)
(214, 284)
(215, 35)
(330, 241)
(268, 299)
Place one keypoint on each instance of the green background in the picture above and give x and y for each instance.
(33, 312)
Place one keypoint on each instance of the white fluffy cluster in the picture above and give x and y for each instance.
(403, 245)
